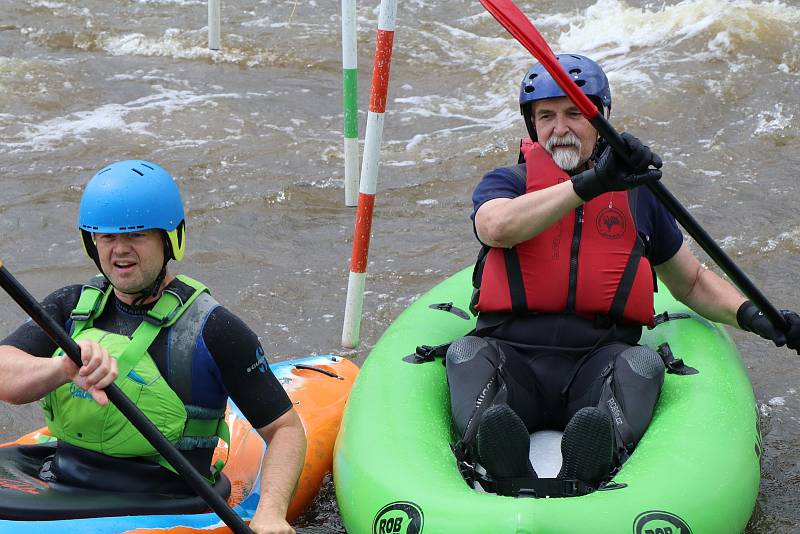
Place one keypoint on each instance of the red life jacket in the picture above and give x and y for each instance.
(591, 262)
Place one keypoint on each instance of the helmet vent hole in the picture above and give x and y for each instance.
(148, 166)
(580, 83)
(530, 89)
(533, 76)
(575, 71)
(137, 171)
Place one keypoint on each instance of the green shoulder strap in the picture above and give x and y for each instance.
(91, 303)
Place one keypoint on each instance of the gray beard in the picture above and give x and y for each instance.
(566, 159)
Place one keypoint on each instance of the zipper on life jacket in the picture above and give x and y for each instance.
(573, 259)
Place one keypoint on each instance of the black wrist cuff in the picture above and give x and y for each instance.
(745, 315)
(586, 185)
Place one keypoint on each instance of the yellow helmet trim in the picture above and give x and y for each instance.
(177, 241)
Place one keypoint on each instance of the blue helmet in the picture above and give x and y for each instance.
(130, 196)
(588, 75)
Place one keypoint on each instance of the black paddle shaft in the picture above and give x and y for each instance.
(56, 332)
(697, 232)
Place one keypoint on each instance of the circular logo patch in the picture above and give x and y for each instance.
(658, 522)
(610, 223)
(400, 517)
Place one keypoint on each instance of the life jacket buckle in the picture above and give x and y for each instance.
(160, 320)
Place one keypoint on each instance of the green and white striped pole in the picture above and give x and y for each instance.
(350, 102)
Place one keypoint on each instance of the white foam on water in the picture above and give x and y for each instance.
(170, 45)
(640, 48)
(777, 401)
(172, 2)
(793, 237)
(612, 24)
(175, 43)
(48, 5)
(82, 125)
(610, 29)
(774, 121)
(473, 112)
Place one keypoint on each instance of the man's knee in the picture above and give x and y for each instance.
(643, 362)
(638, 377)
(472, 349)
(473, 377)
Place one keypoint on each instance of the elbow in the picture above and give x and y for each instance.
(12, 397)
(686, 292)
(496, 233)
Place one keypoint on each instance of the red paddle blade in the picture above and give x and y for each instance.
(512, 19)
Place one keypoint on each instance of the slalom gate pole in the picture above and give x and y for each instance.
(213, 24)
(369, 173)
(350, 101)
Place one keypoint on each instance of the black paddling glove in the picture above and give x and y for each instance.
(611, 173)
(751, 319)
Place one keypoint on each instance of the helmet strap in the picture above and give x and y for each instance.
(527, 111)
(155, 287)
(600, 143)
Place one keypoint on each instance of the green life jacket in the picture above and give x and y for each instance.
(74, 417)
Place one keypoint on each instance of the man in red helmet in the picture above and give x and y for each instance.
(564, 284)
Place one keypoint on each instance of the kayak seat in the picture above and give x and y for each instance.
(24, 496)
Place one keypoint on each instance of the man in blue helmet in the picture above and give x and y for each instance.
(564, 284)
(181, 355)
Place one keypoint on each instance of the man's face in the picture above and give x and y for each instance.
(131, 261)
(564, 132)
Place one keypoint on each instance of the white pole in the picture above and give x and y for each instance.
(213, 24)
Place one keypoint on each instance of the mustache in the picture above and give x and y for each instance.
(568, 139)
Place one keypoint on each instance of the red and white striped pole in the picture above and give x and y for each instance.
(369, 174)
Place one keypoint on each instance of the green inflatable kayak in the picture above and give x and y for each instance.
(696, 470)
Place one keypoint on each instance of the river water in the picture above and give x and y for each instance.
(253, 135)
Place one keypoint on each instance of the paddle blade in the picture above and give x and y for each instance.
(512, 19)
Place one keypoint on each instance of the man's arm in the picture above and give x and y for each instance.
(263, 401)
(505, 222)
(716, 299)
(26, 378)
(280, 470)
(704, 291)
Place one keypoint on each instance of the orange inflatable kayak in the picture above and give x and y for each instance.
(318, 387)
